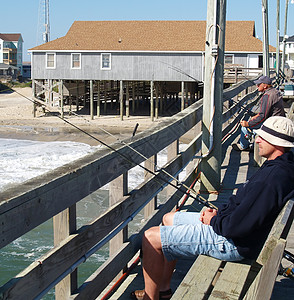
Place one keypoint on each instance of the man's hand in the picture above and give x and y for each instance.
(244, 123)
(207, 215)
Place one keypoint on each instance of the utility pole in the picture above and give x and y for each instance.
(265, 37)
(284, 37)
(213, 95)
(278, 40)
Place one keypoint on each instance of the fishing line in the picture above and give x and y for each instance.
(197, 197)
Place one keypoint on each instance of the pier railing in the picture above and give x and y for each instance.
(56, 193)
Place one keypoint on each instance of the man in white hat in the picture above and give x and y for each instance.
(271, 104)
(238, 229)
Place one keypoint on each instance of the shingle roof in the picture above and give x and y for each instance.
(152, 36)
(10, 37)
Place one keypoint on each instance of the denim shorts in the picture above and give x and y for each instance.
(188, 238)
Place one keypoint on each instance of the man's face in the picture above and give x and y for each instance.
(262, 87)
(265, 149)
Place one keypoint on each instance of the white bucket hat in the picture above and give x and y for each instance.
(278, 131)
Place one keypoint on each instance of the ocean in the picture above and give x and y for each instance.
(21, 160)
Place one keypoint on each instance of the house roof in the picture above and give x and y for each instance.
(6, 67)
(152, 36)
(10, 37)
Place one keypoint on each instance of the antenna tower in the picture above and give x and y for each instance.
(43, 34)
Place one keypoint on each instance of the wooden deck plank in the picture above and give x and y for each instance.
(196, 285)
(230, 283)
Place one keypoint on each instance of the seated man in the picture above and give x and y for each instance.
(271, 104)
(238, 229)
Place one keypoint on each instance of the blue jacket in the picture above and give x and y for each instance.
(248, 216)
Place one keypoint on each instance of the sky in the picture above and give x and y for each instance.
(23, 17)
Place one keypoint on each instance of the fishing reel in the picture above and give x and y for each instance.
(288, 271)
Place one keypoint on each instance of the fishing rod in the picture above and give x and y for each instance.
(148, 159)
(197, 197)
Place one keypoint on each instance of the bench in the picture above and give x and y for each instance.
(209, 278)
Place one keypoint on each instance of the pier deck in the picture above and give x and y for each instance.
(237, 167)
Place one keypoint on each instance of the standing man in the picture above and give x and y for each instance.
(237, 230)
(271, 104)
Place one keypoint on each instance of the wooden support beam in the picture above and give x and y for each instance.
(156, 101)
(64, 224)
(151, 101)
(150, 165)
(98, 98)
(133, 97)
(127, 100)
(77, 97)
(121, 100)
(61, 98)
(91, 100)
(105, 96)
(172, 152)
(182, 95)
(34, 95)
(118, 188)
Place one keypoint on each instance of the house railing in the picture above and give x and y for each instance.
(56, 194)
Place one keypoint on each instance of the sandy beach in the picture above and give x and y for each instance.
(17, 122)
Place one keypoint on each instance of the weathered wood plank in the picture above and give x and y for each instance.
(263, 284)
(231, 281)
(198, 281)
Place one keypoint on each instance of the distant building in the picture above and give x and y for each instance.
(289, 50)
(8, 72)
(11, 48)
(26, 67)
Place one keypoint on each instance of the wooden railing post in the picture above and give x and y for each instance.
(172, 152)
(150, 165)
(117, 189)
(63, 225)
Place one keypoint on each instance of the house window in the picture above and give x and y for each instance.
(50, 60)
(105, 61)
(75, 60)
(229, 59)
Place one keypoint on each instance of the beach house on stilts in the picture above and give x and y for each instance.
(112, 66)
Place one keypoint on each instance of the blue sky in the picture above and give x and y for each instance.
(23, 16)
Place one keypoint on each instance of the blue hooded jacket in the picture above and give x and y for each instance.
(248, 216)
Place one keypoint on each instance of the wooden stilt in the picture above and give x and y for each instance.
(121, 100)
(127, 100)
(151, 101)
(98, 98)
(183, 96)
(61, 98)
(91, 100)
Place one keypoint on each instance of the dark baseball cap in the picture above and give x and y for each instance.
(263, 79)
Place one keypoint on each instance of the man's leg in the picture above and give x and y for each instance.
(244, 137)
(157, 270)
(155, 266)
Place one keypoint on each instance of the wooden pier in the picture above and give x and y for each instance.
(56, 194)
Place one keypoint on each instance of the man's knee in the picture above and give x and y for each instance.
(151, 237)
(168, 219)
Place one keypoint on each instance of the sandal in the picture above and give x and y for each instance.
(139, 294)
